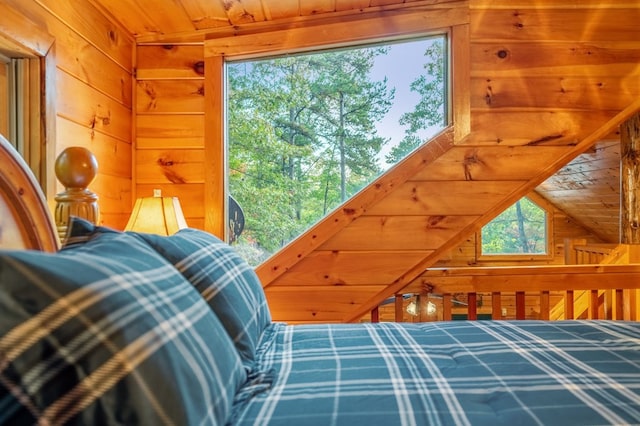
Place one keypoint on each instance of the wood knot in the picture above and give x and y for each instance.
(427, 287)
(434, 221)
(488, 97)
(198, 67)
(470, 158)
(502, 53)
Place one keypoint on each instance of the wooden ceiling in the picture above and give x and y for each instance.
(148, 20)
(588, 190)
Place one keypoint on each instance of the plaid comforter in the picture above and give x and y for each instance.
(453, 373)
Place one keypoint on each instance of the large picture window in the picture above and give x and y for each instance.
(307, 131)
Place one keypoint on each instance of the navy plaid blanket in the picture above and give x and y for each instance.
(451, 373)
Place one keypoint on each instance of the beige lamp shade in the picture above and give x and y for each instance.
(157, 215)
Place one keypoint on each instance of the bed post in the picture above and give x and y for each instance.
(75, 168)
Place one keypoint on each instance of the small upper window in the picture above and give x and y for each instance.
(522, 229)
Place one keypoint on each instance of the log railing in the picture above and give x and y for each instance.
(606, 290)
(585, 303)
(615, 284)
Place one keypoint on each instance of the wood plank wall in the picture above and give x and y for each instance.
(88, 90)
(563, 227)
(169, 125)
(465, 255)
(547, 69)
(560, 85)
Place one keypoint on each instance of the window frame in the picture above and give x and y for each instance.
(338, 30)
(37, 48)
(549, 243)
(442, 37)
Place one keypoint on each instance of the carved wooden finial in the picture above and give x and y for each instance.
(75, 168)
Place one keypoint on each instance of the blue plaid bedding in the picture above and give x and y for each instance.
(450, 373)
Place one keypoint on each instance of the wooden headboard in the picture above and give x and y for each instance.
(25, 219)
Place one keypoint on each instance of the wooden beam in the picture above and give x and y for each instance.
(214, 149)
(568, 305)
(393, 25)
(532, 278)
(630, 177)
(399, 305)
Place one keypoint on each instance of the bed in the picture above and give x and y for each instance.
(138, 329)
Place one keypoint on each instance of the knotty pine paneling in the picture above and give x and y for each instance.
(89, 61)
(491, 163)
(170, 125)
(92, 108)
(169, 152)
(149, 16)
(564, 22)
(89, 22)
(541, 81)
(397, 233)
(315, 304)
(168, 166)
(167, 131)
(510, 58)
(465, 255)
(603, 93)
(77, 56)
(435, 198)
(115, 154)
(534, 127)
(113, 191)
(288, 8)
(169, 96)
(169, 61)
(343, 268)
(590, 186)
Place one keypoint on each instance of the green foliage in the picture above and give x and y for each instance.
(520, 229)
(302, 138)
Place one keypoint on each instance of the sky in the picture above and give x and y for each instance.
(402, 65)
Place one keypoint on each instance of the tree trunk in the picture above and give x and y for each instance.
(521, 234)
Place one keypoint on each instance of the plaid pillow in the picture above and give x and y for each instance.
(224, 279)
(108, 332)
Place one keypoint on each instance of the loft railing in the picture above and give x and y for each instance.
(606, 290)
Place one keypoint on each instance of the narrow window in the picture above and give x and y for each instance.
(20, 109)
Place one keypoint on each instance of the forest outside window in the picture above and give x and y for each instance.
(306, 132)
(522, 230)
